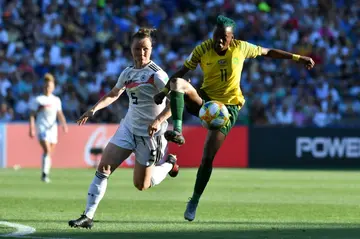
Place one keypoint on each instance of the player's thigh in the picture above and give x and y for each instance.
(112, 157)
(119, 148)
(233, 115)
(193, 102)
(47, 138)
(142, 175)
(215, 138)
(148, 153)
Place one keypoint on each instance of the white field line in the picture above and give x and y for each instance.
(22, 231)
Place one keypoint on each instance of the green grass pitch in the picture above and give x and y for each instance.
(238, 203)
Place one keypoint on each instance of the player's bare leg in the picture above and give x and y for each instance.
(112, 157)
(46, 160)
(179, 88)
(213, 142)
(150, 176)
(142, 176)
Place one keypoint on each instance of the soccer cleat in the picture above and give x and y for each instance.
(190, 211)
(82, 221)
(171, 158)
(45, 179)
(174, 136)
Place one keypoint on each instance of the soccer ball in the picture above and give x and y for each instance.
(214, 115)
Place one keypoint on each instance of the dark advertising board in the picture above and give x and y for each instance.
(304, 147)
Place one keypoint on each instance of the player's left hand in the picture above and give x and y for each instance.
(307, 61)
(153, 127)
(65, 129)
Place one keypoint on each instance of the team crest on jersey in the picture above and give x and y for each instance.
(235, 60)
(222, 62)
(143, 77)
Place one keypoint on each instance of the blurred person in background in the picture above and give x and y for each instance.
(45, 110)
(6, 113)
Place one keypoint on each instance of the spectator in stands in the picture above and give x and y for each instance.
(6, 113)
(74, 38)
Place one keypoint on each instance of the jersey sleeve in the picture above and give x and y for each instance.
(195, 57)
(121, 80)
(34, 104)
(160, 79)
(249, 50)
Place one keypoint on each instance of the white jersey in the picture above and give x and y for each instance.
(141, 86)
(46, 108)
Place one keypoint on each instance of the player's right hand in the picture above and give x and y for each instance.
(32, 133)
(88, 114)
(159, 97)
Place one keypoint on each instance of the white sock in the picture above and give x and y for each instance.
(159, 173)
(46, 164)
(96, 193)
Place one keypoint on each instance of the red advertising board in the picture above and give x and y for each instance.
(233, 153)
(73, 149)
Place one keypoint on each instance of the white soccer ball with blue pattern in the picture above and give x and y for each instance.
(214, 115)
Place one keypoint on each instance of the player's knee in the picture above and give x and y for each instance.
(141, 186)
(104, 168)
(177, 83)
(46, 151)
(207, 162)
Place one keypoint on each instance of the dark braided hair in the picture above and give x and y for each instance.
(225, 22)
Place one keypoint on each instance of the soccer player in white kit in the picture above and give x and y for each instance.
(45, 109)
(141, 131)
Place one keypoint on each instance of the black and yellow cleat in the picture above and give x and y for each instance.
(175, 137)
(82, 221)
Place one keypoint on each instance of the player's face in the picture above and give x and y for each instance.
(49, 87)
(141, 51)
(222, 37)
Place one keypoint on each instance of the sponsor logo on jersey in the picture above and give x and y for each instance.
(143, 80)
(222, 62)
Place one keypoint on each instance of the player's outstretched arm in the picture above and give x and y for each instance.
(159, 97)
(280, 54)
(104, 102)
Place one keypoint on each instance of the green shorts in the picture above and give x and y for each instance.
(233, 113)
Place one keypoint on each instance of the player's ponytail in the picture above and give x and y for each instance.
(144, 33)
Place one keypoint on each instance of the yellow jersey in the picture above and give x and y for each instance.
(222, 74)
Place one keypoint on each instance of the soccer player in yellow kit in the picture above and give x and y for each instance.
(221, 60)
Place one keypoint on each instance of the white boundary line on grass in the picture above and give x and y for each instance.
(22, 231)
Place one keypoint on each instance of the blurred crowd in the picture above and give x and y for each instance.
(85, 44)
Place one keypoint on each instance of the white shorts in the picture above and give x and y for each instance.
(49, 135)
(148, 150)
